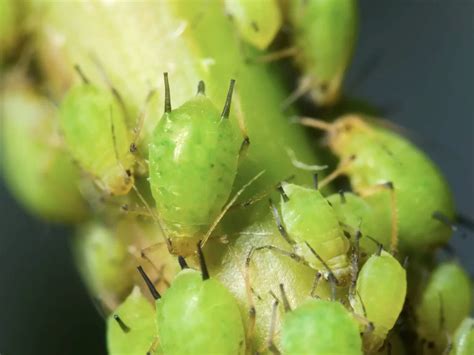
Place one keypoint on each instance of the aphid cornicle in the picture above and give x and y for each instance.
(463, 342)
(324, 36)
(320, 327)
(445, 301)
(97, 136)
(257, 21)
(379, 296)
(193, 163)
(372, 156)
(198, 315)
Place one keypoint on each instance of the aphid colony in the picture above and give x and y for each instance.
(185, 260)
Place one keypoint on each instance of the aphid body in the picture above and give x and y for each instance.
(193, 160)
(380, 294)
(310, 220)
(444, 303)
(324, 36)
(378, 156)
(257, 21)
(96, 134)
(320, 327)
(131, 328)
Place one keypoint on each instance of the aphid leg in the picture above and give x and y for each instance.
(315, 123)
(248, 289)
(367, 191)
(281, 229)
(317, 277)
(228, 206)
(79, 71)
(156, 295)
(369, 326)
(300, 165)
(332, 278)
(286, 302)
(101, 307)
(271, 333)
(295, 257)
(355, 263)
(182, 263)
(304, 86)
(153, 346)
(276, 55)
(140, 121)
(340, 170)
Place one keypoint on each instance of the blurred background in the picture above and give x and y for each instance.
(424, 79)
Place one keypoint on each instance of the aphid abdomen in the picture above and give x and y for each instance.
(199, 317)
(193, 163)
(97, 136)
(380, 295)
(308, 218)
(382, 156)
(320, 327)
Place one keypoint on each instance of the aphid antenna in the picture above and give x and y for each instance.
(440, 217)
(252, 312)
(167, 93)
(81, 74)
(201, 89)
(286, 302)
(281, 229)
(154, 292)
(140, 121)
(121, 323)
(271, 332)
(226, 110)
(316, 279)
(101, 308)
(321, 260)
(406, 262)
(340, 170)
(202, 262)
(228, 206)
(114, 91)
(379, 245)
(304, 86)
(465, 221)
(182, 263)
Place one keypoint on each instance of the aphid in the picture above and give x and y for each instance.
(258, 22)
(198, 315)
(131, 328)
(320, 327)
(379, 296)
(444, 303)
(104, 262)
(376, 159)
(463, 342)
(96, 133)
(35, 165)
(324, 36)
(308, 223)
(193, 163)
(355, 214)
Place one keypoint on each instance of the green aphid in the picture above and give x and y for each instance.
(379, 296)
(193, 158)
(356, 214)
(320, 327)
(104, 261)
(376, 159)
(131, 328)
(463, 342)
(198, 315)
(324, 34)
(310, 225)
(35, 166)
(444, 303)
(258, 22)
(94, 127)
